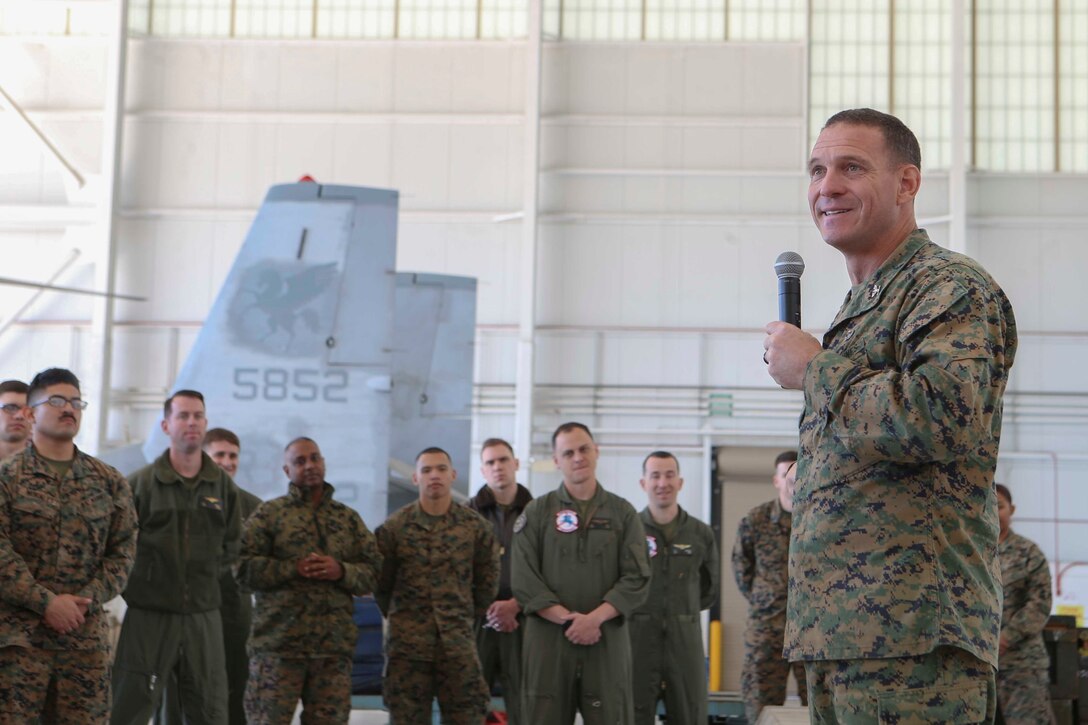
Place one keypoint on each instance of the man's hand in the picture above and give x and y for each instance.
(788, 352)
(556, 614)
(319, 566)
(584, 629)
(502, 615)
(65, 612)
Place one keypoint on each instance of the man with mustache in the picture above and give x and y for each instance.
(67, 544)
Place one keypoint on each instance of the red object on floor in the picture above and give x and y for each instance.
(496, 718)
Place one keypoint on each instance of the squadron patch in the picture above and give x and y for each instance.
(651, 546)
(519, 523)
(566, 521)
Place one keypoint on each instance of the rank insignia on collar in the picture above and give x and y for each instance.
(874, 291)
(651, 546)
(566, 521)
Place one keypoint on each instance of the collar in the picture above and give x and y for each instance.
(485, 498)
(565, 497)
(165, 473)
(299, 496)
(39, 463)
(648, 518)
(865, 295)
(778, 513)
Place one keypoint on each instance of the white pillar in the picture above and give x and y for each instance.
(957, 172)
(525, 380)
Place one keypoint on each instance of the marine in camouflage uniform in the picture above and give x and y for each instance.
(580, 570)
(894, 589)
(668, 661)
(760, 560)
(499, 632)
(440, 572)
(67, 544)
(1023, 667)
(305, 555)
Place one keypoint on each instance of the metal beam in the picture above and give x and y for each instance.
(525, 377)
(8, 104)
(957, 173)
(106, 233)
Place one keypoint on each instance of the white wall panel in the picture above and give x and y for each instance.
(250, 76)
(482, 167)
(362, 154)
(304, 148)
(364, 77)
(421, 172)
(308, 77)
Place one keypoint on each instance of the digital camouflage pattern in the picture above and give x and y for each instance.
(410, 687)
(439, 574)
(760, 564)
(1025, 579)
(295, 616)
(1024, 697)
(1023, 679)
(59, 686)
(276, 684)
(436, 578)
(668, 661)
(72, 535)
(894, 548)
(603, 559)
(948, 686)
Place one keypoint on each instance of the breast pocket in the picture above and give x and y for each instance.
(34, 523)
(95, 516)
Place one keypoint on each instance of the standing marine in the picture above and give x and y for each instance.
(669, 662)
(580, 570)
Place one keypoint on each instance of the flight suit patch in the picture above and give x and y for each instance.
(600, 523)
(519, 523)
(683, 549)
(651, 546)
(211, 502)
(566, 521)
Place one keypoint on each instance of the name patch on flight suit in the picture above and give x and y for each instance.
(651, 546)
(566, 521)
(600, 523)
(211, 502)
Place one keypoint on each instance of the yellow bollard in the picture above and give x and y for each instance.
(715, 651)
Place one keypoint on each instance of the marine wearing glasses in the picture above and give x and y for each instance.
(58, 401)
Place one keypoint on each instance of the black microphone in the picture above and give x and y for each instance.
(789, 267)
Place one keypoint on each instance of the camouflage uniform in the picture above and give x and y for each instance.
(439, 573)
(1023, 674)
(760, 557)
(303, 632)
(236, 612)
(602, 559)
(500, 652)
(73, 535)
(189, 534)
(893, 551)
(666, 635)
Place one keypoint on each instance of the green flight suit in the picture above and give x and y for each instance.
(578, 561)
(189, 536)
(666, 636)
(236, 613)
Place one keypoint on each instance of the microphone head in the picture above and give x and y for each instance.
(789, 264)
